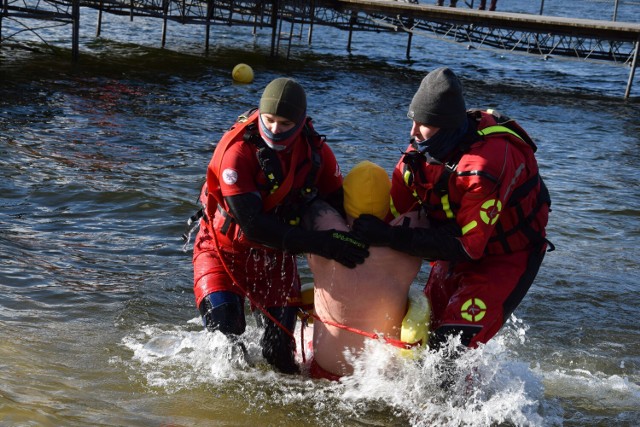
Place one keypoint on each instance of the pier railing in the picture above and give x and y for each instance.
(547, 36)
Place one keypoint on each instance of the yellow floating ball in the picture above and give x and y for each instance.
(242, 73)
(415, 325)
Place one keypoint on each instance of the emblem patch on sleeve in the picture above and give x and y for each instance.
(229, 176)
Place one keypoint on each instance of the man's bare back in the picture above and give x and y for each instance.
(371, 297)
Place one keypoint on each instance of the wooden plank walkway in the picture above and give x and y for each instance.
(542, 26)
(610, 30)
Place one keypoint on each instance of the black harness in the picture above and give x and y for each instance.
(293, 205)
(414, 160)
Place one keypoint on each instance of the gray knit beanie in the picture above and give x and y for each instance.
(286, 98)
(439, 101)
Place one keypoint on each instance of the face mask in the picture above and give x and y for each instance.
(440, 145)
(279, 141)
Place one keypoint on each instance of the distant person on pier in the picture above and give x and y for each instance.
(476, 176)
(265, 172)
(492, 5)
(369, 299)
(452, 3)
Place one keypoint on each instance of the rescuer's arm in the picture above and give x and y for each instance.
(440, 243)
(267, 230)
(336, 201)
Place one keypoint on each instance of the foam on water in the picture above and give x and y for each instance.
(594, 389)
(176, 359)
(487, 386)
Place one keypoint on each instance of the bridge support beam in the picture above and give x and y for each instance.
(75, 30)
(1, 15)
(207, 31)
(632, 72)
(99, 23)
(352, 21)
(410, 38)
(312, 14)
(274, 26)
(165, 13)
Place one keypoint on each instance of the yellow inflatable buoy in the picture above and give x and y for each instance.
(307, 293)
(242, 73)
(415, 325)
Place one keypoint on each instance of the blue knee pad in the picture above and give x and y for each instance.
(223, 311)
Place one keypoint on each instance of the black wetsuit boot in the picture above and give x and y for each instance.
(278, 346)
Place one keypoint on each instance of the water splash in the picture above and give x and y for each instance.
(481, 387)
(486, 386)
(178, 359)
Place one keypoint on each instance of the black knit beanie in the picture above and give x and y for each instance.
(439, 101)
(286, 98)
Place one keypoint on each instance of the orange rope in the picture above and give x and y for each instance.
(392, 341)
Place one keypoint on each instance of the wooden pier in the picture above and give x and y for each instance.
(547, 36)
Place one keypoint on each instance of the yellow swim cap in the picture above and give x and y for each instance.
(366, 190)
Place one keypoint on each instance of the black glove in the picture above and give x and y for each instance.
(340, 246)
(441, 243)
(337, 245)
(373, 230)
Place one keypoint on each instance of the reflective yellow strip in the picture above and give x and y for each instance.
(272, 178)
(497, 129)
(415, 194)
(393, 209)
(446, 206)
(469, 227)
(407, 177)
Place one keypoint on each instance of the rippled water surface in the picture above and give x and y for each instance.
(100, 166)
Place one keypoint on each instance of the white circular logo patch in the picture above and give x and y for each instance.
(229, 176)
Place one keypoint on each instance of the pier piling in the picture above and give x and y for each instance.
(545, 36)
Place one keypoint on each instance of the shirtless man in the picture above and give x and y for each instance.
(371, 297)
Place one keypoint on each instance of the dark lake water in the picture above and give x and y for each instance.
(101, 164)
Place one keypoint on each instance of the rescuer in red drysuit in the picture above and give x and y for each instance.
(264, 173)
(475, 175)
